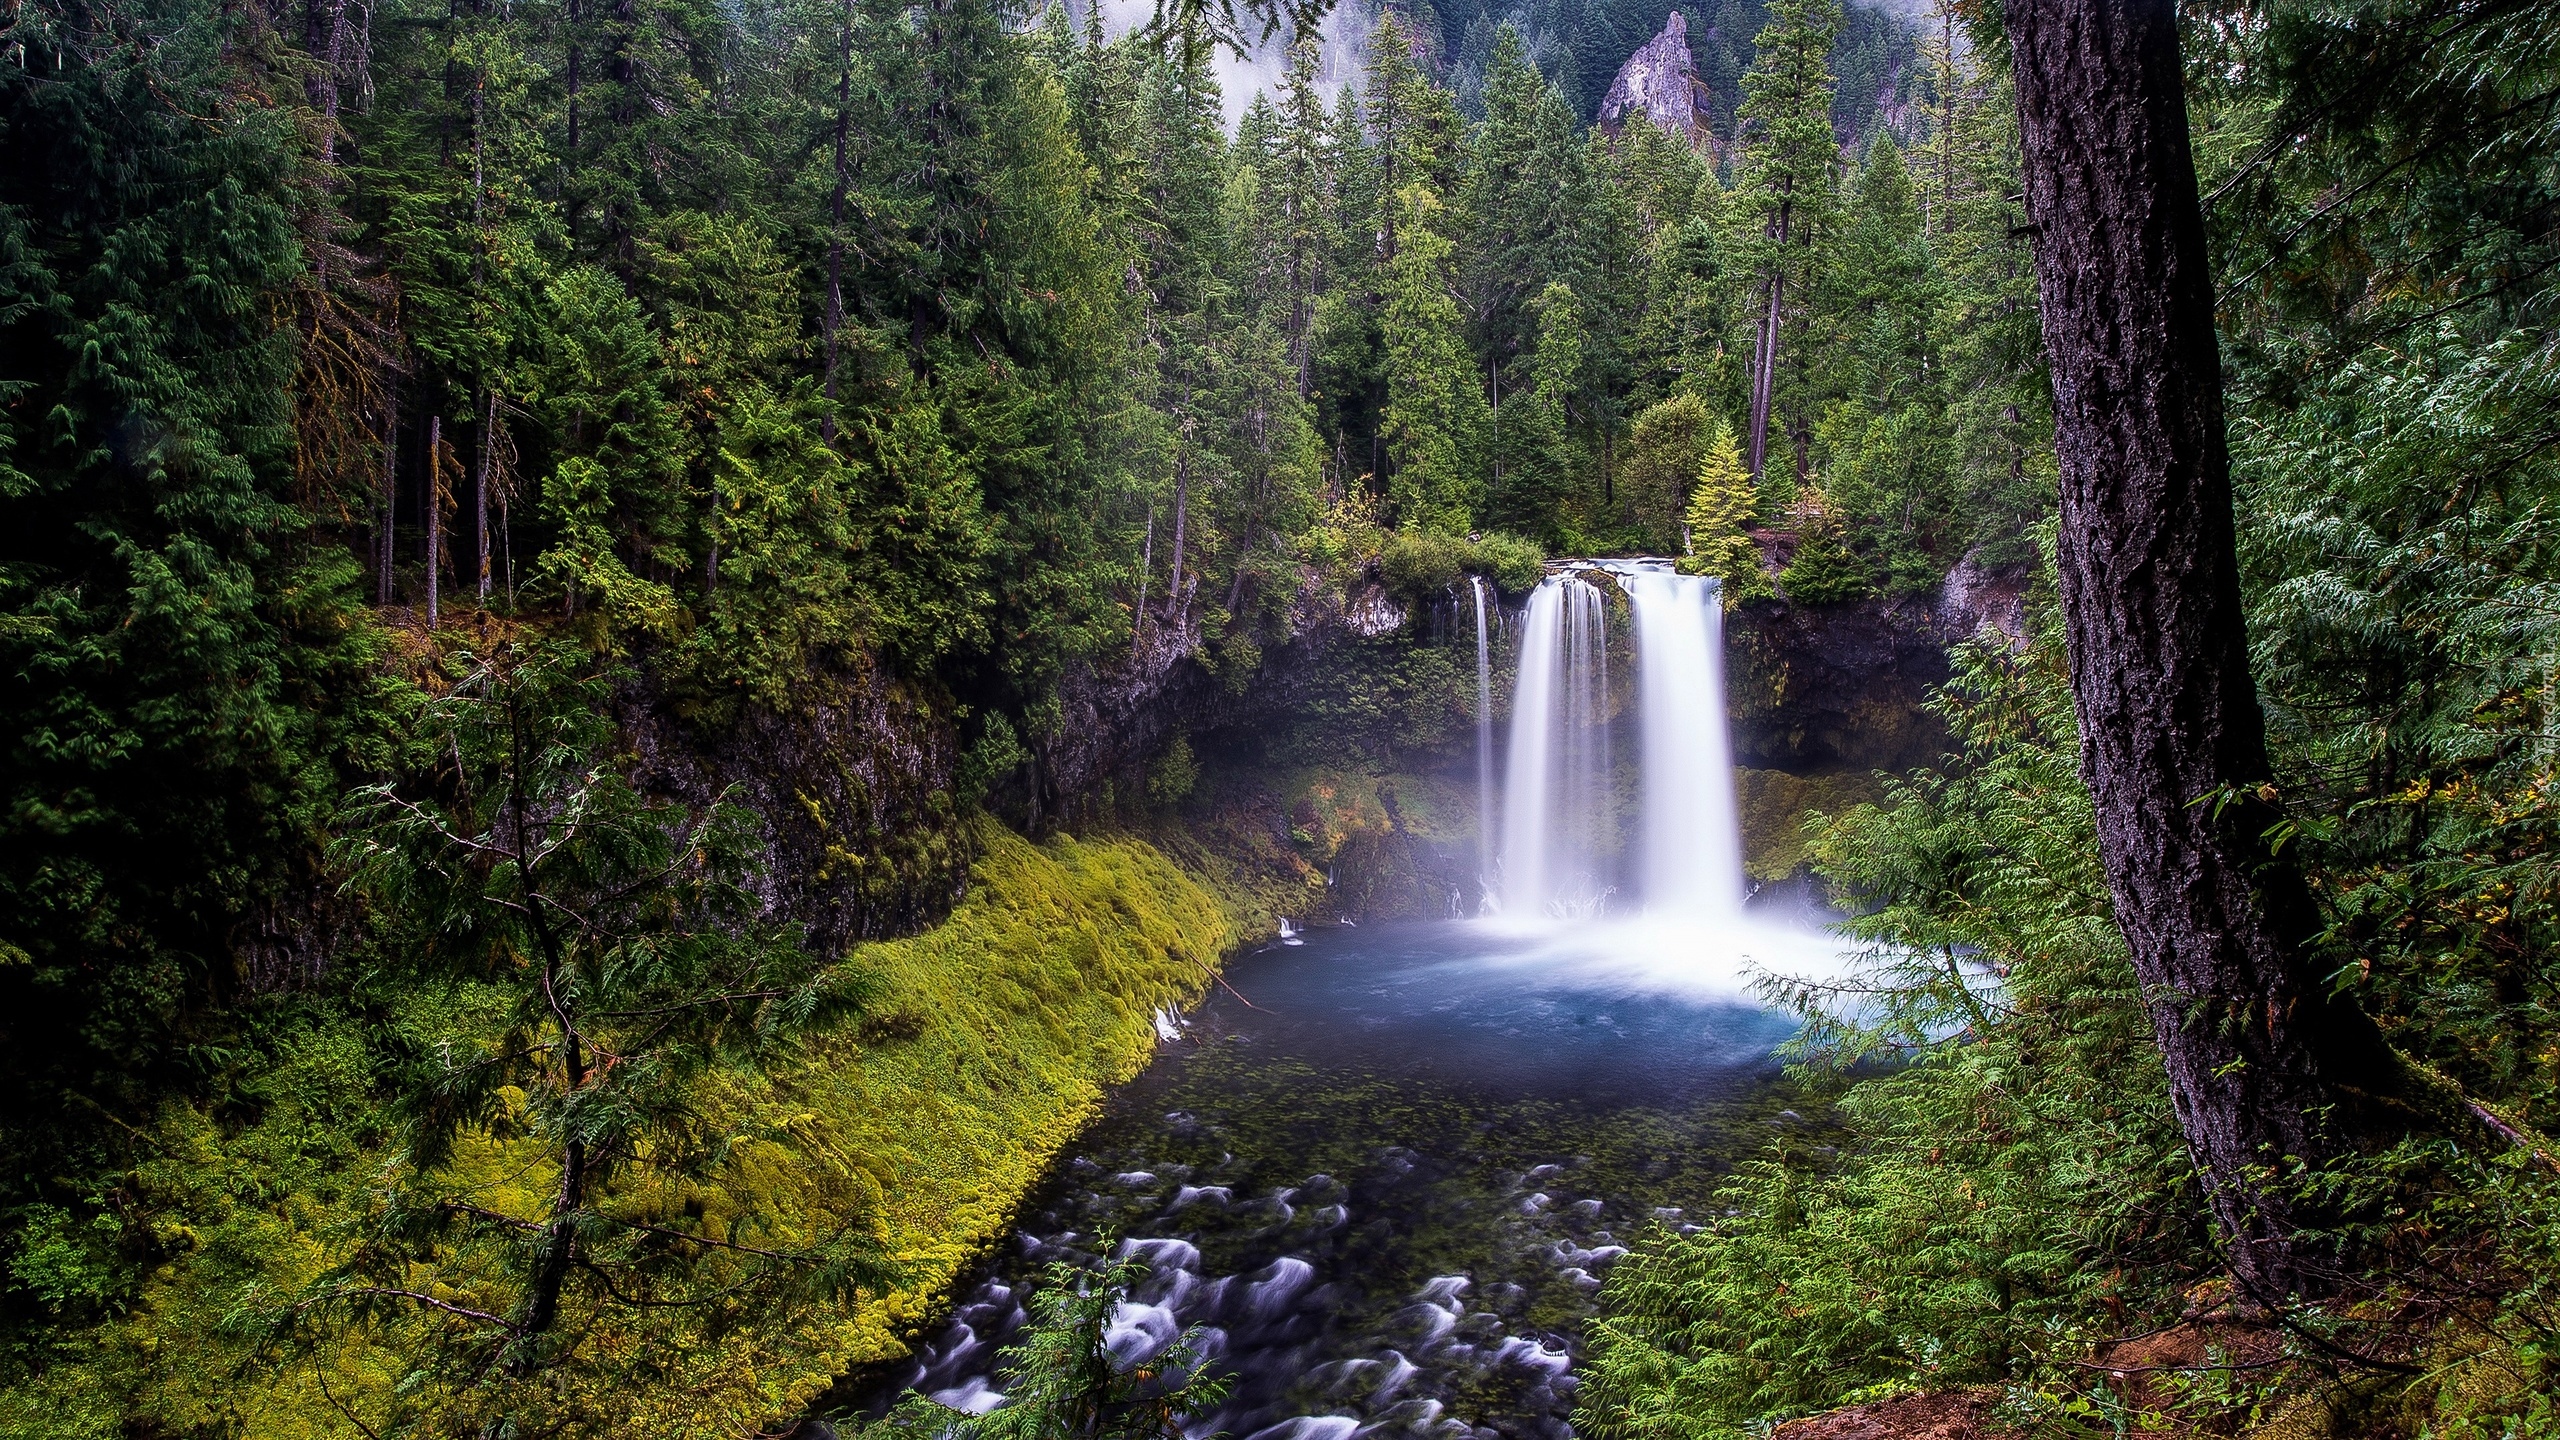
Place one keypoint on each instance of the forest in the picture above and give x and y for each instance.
(619, 973)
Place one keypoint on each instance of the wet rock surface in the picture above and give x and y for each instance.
(1818, 689)
(854, 786)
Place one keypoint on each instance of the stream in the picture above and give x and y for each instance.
(1388, 1169)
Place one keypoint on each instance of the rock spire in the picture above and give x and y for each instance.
(1661, 79)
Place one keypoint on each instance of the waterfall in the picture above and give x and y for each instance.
(1484, 744)
(1692, 836)
(1556, 831)
(1559, 831)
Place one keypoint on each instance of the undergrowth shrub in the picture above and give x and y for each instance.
(2006, 1171)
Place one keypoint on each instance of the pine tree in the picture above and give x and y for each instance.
(1718, 514)
(1433, 409)
(1782, 203)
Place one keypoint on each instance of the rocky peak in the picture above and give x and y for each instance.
(1661, 79)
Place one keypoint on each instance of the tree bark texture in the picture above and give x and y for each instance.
(435, 514)
(480, 488)
(2264, 1065)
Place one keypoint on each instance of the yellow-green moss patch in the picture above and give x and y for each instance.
(1773, 807)
(993, 1041)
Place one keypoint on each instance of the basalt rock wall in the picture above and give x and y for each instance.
(1820, 689)
(854, 782)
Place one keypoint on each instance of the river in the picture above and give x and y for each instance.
(1388, 1168)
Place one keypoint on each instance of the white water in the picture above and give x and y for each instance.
(1684, 929)
(1556, 823)
(1484, 745)
(1692, 836)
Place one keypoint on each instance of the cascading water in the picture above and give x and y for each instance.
(1484, 744)
(1555, 814)
(1559, 831)
(1692, 837)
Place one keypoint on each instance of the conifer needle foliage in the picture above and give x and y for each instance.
(612, 952)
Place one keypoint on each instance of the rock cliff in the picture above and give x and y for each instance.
(1661, 80)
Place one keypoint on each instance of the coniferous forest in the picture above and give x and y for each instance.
(643, 643)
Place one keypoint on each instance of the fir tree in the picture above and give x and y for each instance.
(1822, 570)
(1782, 203)
(1433, 408)
(1718, 515)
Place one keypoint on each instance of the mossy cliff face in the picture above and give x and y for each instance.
(1822, 697)
(854, 782)
(995, 1036)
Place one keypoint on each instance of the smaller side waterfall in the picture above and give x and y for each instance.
(1556, 836)
(1484, 743)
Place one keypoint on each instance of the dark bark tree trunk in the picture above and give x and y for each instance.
(1764, 364)
(2265, 1067)
(480, 490)
(389, 558)
(1181, 531)
(435, 514)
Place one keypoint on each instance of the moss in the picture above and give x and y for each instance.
(994, 1040)
(1773, 806)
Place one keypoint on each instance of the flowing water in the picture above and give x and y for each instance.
(1389, 1186)
(1387, 1169)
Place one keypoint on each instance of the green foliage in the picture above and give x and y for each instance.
(1666, 456)
(184, 676)
(1963, 1216)
(1426, 565)
(1717, 517)
(1422, 564)
(1170, 779)
(1433, 409)
(1822, 570)
(1515, 564)
(616, 957)
(1061, 1378)
(991, 1039)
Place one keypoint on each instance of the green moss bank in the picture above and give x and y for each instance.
(995, 1037)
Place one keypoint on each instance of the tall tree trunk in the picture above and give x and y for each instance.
(1181, 531)
(390, 555)
(1764, 370)
(325, 37)
(2266, 1068)
(575, 82)
(435, 512)
(1764, 366)
(1146, 571)
(480, 489)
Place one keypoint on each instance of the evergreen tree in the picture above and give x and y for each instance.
(1781, 207)
(1433, 409)
(1823, 569)
(1882, 437)
(1664, 453)
(187, 674)
(633, 958)
(1713, 526)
